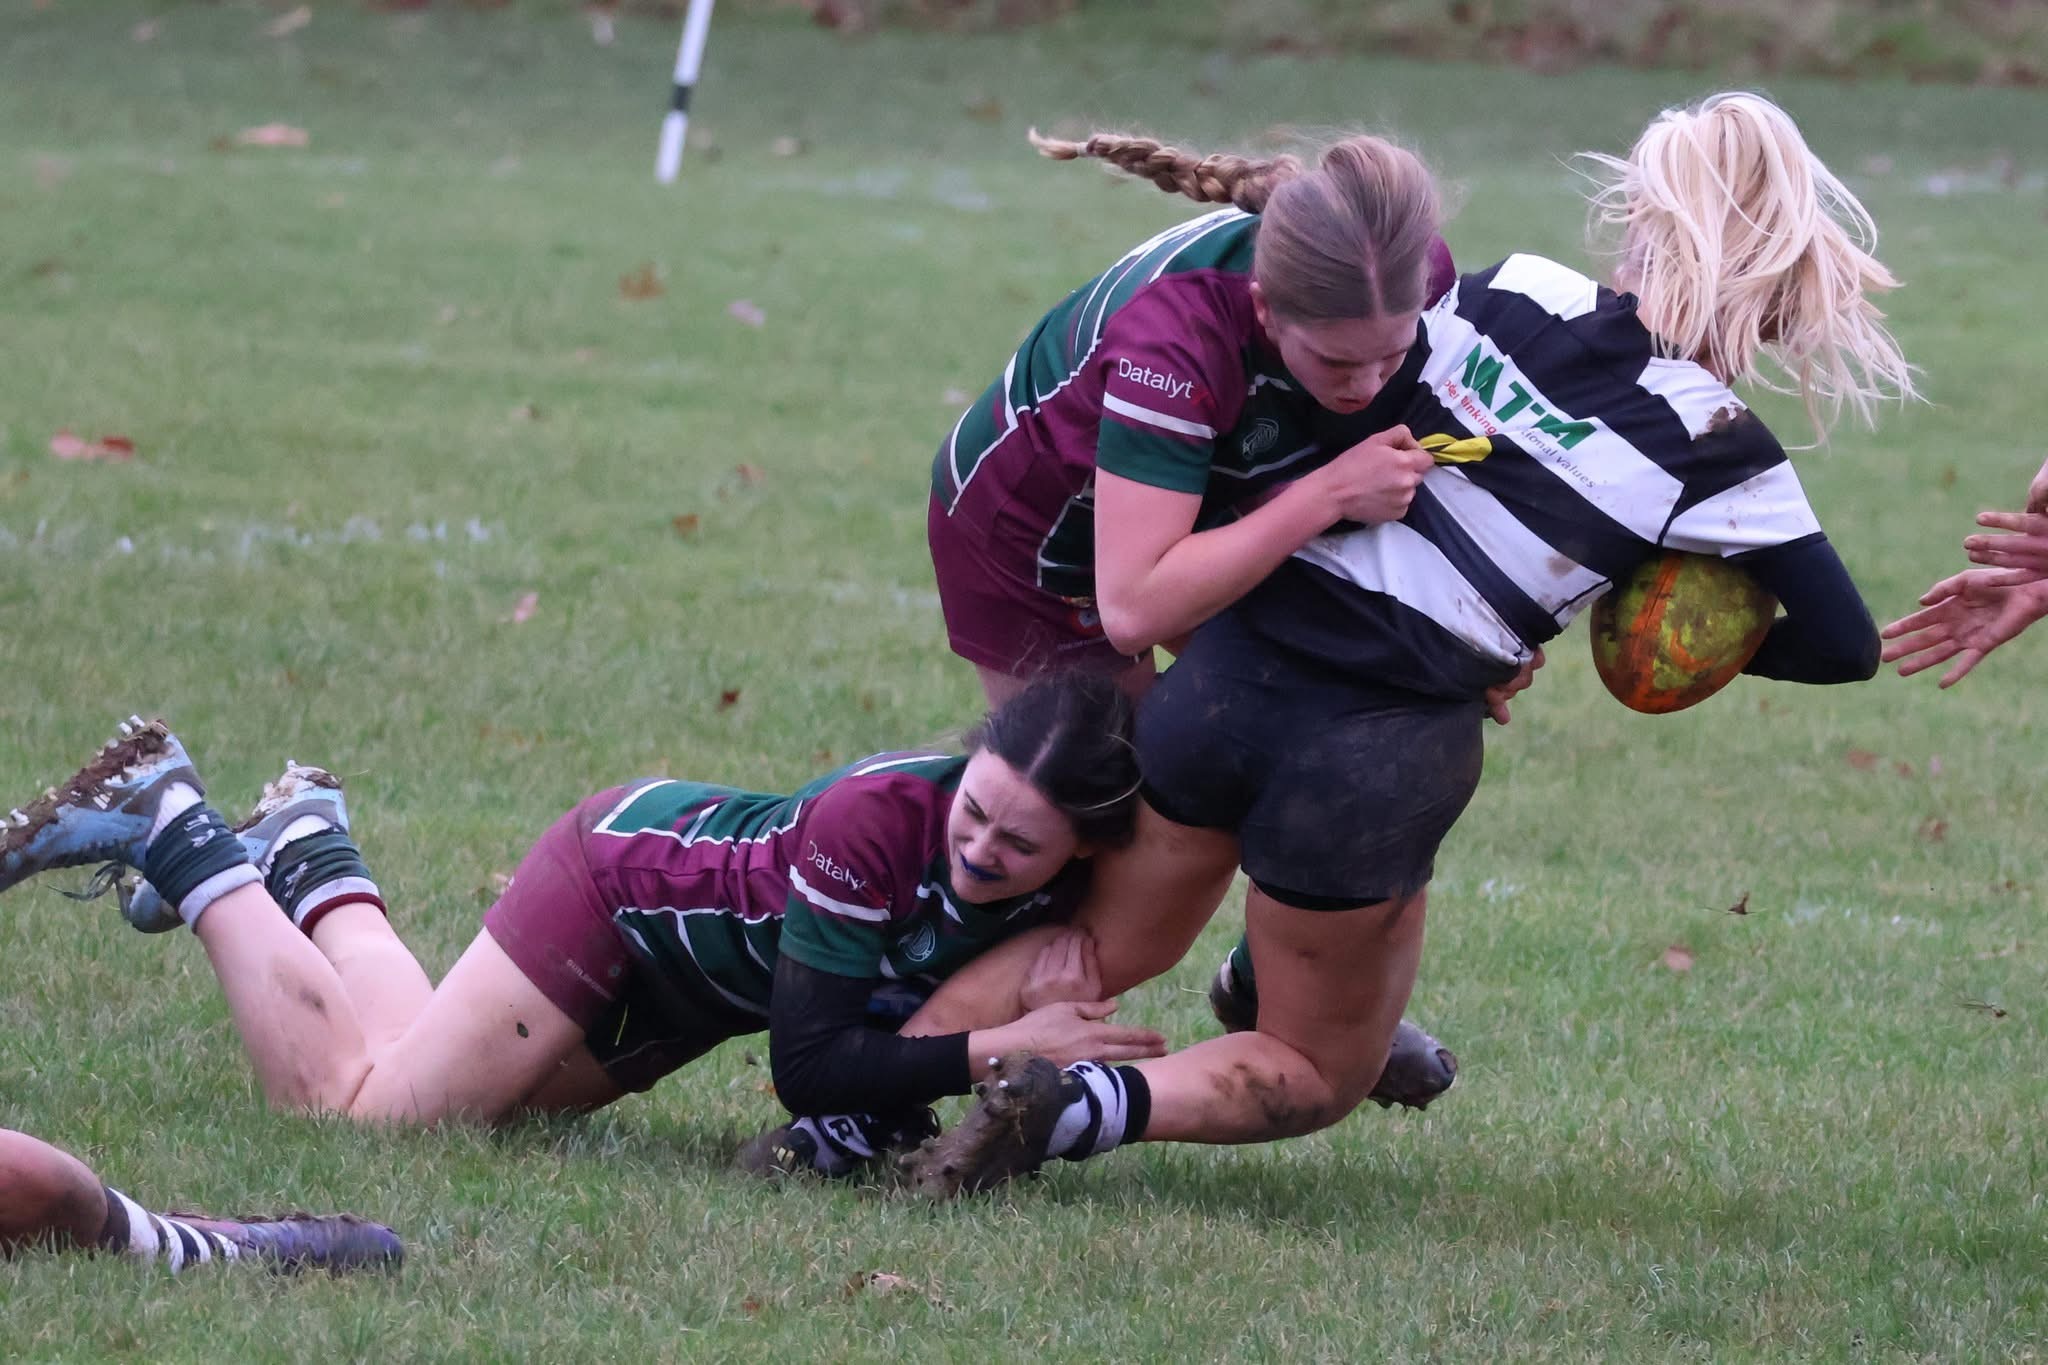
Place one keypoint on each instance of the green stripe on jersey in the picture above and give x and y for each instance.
(1054, 351)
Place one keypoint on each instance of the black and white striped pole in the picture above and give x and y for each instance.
(689, 57)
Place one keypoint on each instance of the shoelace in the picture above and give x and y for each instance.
(101, 882)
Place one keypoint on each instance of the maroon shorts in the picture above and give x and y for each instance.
(556, 926)
(997, 615)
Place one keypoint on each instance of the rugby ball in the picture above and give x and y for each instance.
(1677, 630)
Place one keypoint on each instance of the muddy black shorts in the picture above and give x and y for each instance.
(1338, 790)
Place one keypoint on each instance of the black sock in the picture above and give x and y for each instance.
(196, 852)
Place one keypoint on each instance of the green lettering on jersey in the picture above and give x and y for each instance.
(1482, 373)
(1522, 398)
(1568, 433)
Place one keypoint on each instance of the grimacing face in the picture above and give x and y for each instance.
(1003, 838)
(1343, 363)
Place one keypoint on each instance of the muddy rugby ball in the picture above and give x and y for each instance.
(1677, 630)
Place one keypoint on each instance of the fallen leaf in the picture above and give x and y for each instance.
(272, 135)
(1985, 1007)
(885, 1283)
(687, 524)
(1947, 477)
(1678, 958)
(1933, 830)
(1741, 907)
(146, 31)
(1862, 760)
(823, 758)
(1905, 769)
(523, 612)
(750, 1305)
(641, 283)
(728, 698)
(787, 146)
(750, 474)
(68, 445)
(526, 412)
(989, 110)
(288, 23)
(747, 311)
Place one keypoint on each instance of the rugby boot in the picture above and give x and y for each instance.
(103, 813)
(333, 1242)
(1418, 1070)
(826, 1147)
(300, 790)
(1006, 1134)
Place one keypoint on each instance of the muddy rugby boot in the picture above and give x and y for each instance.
(837, 1147)
(299, 790)
(104, 813)
(1006, 1134)
(1418, 1070)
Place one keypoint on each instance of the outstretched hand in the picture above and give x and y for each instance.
(1070, 1031)
(1966, 616)
(2026, 544)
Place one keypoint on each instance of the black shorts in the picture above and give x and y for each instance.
(1339, 790)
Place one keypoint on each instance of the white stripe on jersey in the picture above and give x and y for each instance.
(1766, 509)
(683, 936)
(1161, 420)
(1603, 468)
(1189, 233)
(903, 761)
(1553, 580)
(1559, 289)
(1391, 558)
(689, 836)
(1696, 396)
(866, 913)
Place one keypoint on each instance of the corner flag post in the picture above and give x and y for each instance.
(689, 58)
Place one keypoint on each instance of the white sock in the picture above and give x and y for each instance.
(1093, 1122)
(175, 1242)
(178, 798)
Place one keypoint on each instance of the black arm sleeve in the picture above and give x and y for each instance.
(1826, 634)
(827, 1059)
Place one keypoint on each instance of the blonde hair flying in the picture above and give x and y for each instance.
(1741, 245)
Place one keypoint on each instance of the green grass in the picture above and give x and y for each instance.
(1810, 1145)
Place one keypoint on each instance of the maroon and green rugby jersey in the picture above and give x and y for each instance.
(1155, 370)
(847, 875)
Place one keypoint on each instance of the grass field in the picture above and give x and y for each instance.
(384, 386)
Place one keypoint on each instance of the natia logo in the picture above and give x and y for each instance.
(1173, 386)
(1481, 398)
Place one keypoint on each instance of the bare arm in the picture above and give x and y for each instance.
(1157, 578)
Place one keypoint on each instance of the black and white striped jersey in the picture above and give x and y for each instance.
(1583, 451)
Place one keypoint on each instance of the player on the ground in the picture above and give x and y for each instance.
(1158, 443)
(52, 1201)
(1598, 427)
(1967, 615)
(649, 924)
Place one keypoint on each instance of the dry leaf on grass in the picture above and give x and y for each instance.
(1741, 906)
(1678, 958)
(273, 135)
(641, 283)
(686, 525)
(67, 445)
(1862, 760)
(750, 474)
(728, 698)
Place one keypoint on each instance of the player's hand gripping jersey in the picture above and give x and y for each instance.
(1155, 371)
(1581, 451)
